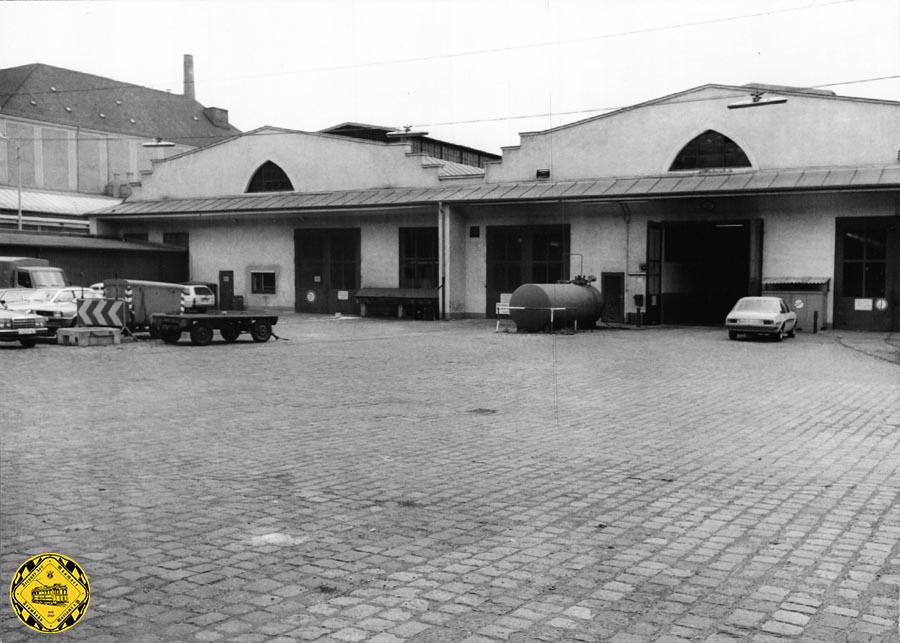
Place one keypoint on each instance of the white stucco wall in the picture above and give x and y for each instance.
(244, 248)
(806, 131)
(313, 163)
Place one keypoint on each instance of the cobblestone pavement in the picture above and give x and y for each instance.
(377, 480)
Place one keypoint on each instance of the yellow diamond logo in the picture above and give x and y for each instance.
(49, 592)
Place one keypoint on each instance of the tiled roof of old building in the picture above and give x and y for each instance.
(75, 99)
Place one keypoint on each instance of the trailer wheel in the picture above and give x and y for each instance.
(27, 342)
(201, 335)
(230, 332)
(261, 331)
(170, 335)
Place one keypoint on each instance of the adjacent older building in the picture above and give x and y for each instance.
(72, 142)
(678, 205)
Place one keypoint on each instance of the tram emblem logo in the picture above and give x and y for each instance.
(49, 593)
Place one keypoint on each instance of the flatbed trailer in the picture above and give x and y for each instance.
(200, 326)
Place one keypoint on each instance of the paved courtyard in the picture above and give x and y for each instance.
(376, 480)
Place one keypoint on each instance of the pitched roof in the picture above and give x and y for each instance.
(739, 91)
(451, 169)
(388, 134)
(44, 240)
(65, 97)
(54, 202)
(886, 177)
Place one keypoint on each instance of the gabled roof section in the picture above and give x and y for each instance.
(740, 91)
(76, 99)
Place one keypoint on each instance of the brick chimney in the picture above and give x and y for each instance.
(189, 76)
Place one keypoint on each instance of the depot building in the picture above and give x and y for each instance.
(678, 206)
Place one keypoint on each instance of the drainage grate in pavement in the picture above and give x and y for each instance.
(480, 411)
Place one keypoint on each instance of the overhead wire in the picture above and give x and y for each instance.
(599, 110)
(462, 54)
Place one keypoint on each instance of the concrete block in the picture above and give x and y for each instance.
(96, 336)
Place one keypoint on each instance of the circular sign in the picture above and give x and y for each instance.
(310, 296)
(49, 593)
(798, 304)
(881, 303)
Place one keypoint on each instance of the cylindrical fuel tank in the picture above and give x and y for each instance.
(530, 304)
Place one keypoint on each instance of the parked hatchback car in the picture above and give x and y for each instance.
(761, 316)
(59, 305)
(197, 297)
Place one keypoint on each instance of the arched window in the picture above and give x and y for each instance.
(270, 178)
(710, 150)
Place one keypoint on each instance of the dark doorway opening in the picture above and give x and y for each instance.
(705, 268)
(519, 255)
(225, 300)
(867, 274)
(612, 285)
(327, 270)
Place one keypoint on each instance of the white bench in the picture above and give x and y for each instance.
(502, 309)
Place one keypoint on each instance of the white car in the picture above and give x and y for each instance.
(59, 305)
(18, 299)
(761, 316)
(22, 327)
(197, 297)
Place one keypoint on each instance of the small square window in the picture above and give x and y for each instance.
(262, 283)
(474, 231)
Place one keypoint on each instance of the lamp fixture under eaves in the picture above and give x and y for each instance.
(757, 100)
(159, 143)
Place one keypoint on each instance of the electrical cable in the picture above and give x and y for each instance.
(474, 52)
(281, 131)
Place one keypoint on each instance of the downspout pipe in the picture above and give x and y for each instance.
(442, 263)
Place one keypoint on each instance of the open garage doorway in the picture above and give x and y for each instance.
(704, 267)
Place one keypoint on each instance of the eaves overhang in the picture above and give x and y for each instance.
(659, 187)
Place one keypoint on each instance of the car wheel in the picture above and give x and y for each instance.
(170, 335)
(732, 334)
(261, 331)
(792, 332)
(230, 332)
(28, 342)
(779, 335)
(201, 335)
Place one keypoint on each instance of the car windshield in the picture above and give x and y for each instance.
(757, 305)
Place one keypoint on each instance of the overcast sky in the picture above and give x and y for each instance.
(464, 70)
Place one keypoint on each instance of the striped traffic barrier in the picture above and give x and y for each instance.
(102, 312)
(129, 300)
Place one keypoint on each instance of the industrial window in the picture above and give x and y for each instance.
(270, 178)
(418, 258)
(708, 151)
(865, 261)
(262, 283)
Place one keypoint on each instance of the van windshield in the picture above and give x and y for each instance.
(46, 278)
